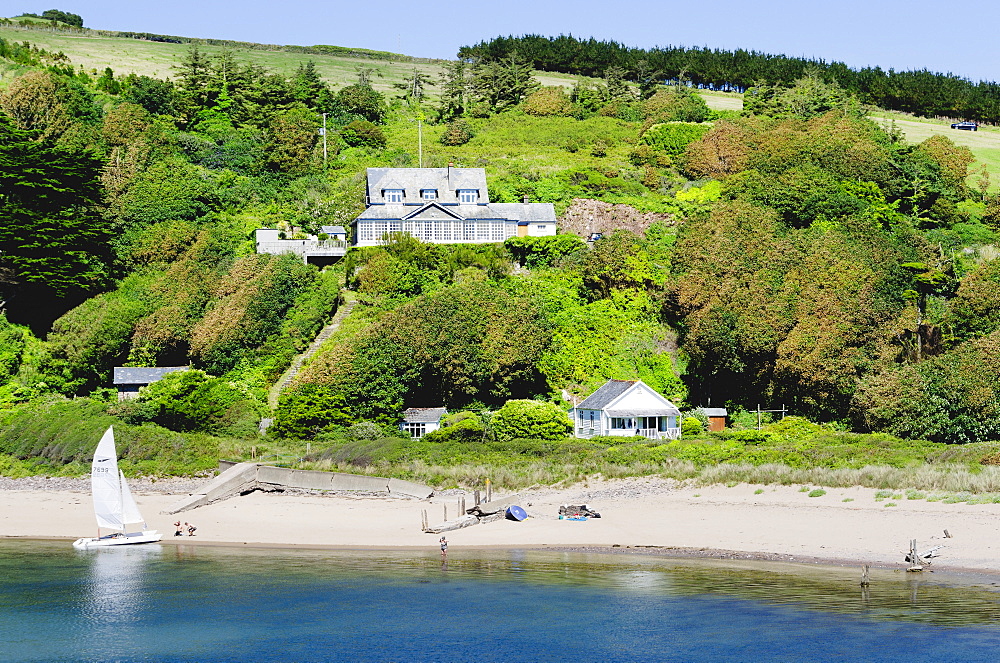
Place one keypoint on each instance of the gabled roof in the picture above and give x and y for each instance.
(437, 211)
(138, 375)
(628, 398)
(715, 411)
(423, 415)
(606, 395)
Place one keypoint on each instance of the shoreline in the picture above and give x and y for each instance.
(649, 517)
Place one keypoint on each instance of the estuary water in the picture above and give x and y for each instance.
(201, 603)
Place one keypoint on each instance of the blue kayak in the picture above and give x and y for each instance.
(516, 513)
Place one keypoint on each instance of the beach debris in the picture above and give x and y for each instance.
(923, 557)
(514, 512)
(577, 512)
(920, 559)
(947, 534)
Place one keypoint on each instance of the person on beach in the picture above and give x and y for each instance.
(190, 528)
(179, 530)
(444, 547)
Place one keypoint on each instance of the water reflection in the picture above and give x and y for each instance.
(118, 585)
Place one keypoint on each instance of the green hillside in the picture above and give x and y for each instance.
(791, 252)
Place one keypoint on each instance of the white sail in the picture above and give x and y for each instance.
(130, 510)
(105, 484)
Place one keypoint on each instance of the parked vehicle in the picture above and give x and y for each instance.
(966, 126)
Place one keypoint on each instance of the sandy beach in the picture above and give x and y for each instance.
(654, 516)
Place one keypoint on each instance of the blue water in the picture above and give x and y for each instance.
(187, 603)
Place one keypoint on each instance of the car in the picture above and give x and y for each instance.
(966, 126)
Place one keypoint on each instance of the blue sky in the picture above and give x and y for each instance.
(958, 37)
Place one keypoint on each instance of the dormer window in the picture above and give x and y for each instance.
(429, 194)
(468, 195)
(393, 195)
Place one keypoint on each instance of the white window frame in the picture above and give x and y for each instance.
(468, 196)
(415, 429)
(393, 195)
(429, 194)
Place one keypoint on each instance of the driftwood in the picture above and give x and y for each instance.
(461, 523)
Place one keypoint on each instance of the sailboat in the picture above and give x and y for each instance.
(113, 503)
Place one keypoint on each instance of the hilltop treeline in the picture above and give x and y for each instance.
(921, 92)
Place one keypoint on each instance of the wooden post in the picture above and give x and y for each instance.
(865, 581)
(476, 497)
(445, 512)
(253, 453)
(489, 491)
(461, 506)
(947, 535)
(758, 416)
(913, 559)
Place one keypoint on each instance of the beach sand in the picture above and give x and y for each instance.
(648, 516)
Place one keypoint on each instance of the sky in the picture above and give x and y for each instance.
(949, 37)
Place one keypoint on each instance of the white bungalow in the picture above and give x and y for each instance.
(626, 408)
(418, 421)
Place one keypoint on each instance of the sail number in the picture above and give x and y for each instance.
(101, 470)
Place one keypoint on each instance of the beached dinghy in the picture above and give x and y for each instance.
(113, 503)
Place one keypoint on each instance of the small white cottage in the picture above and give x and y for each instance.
(626, 408)
(418, 421)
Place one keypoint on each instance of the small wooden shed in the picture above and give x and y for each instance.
(717, 418)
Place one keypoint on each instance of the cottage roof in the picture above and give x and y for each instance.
(628, 398)
(715, 411)
(423, 415)
(142, 375)
(606, 395)
(333, 230)
(446, 181)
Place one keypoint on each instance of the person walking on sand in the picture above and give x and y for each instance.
(444, 547)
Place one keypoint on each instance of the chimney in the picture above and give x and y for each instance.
(526, 200)
(450, 164)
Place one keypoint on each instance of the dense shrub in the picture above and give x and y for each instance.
(530, 419)
(458, 132)
(194, 401)
(362, 133)
(548, 101)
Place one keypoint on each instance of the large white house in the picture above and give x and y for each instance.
(444, 206)
(626, 408)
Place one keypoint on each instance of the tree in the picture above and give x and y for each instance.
(51, 240)
(413, 86)
(363, 101)
(291, 139)
(66, 17)
(501, 84)
(530, 419)
(455, 86)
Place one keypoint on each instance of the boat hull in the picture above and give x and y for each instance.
(132, 538)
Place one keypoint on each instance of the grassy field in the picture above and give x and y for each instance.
(157, 59)
(985, 143)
